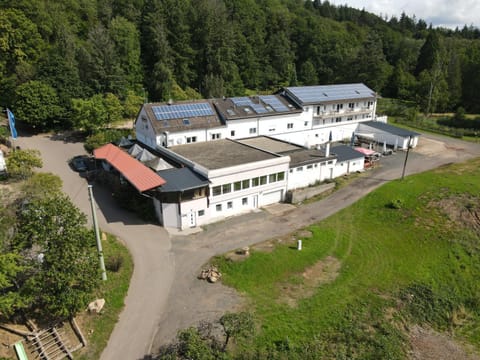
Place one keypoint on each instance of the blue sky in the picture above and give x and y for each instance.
(446, 13)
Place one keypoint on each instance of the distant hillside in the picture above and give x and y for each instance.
(52, 52)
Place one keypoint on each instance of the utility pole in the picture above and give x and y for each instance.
(97, 233)
(406, 156)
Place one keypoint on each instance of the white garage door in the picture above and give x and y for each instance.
(272, 197)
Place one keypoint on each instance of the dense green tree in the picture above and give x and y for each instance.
(41, 185)
(90, 114)
(60, 257)
(429, 53)
(21, 163)
(37, 104)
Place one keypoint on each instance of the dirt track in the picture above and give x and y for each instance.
(164, 294)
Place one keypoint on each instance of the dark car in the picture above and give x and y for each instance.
(79, 163)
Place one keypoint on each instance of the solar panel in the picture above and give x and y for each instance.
(312, 94)
(274, 102)
(167, 112)
(246, 101)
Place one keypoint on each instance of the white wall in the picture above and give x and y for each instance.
(171, 217)
(144, 131)
(306, 175)
(244, 200)
(190, 216)
(348, 166)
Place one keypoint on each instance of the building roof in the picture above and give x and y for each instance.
(269, 144)
(390, 129)
(345, 153)
(307, 95)
(306, 157)
(221, 153)
(140, 176)
(182, 116)
(254, 106)
(182, 179)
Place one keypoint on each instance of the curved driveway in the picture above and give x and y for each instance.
(164, 295)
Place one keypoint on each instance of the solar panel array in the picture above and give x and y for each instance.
(316, 94)
(167, 112)
(274, 102)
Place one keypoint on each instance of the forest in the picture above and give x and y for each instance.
(82, 64)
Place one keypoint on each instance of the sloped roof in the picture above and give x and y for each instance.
(345, 153)
(306, 95)
(140, 176)
(390, 128)
(181, 180)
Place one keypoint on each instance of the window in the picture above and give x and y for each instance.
(290, 126)
(229, 205)
(349, 118)
(316, 165)
(237, 186)
(263, 180)
(291, 171)
(246, 184)
(215, 136)
(351, 105)
(280, 176)
(309, 166)
(201, 212)
(255, 181)
(232, 133)
(300, 168)
(318, 110)
(191, 139)
(305, 123)
(186, 122)
(272, 178)
(330, 162)
(316, 135)
(252, 130)
(216, 190)
(218, 207)
(316, 122)
(244, 201)
(271, 129)
(338, 119)
(226, 188)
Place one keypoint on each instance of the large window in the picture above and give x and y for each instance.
(237, 186)
(290, 126)
(246, 184)
(218, 207)
(226, 188)
(191, 139)
(255, 181)
(280, 176)
(263, 180)
(272, 178)
(216, 190)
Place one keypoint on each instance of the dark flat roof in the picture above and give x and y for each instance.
(391, 129)
(181, 180)
(221, 153)
(345, 153)
(306, 156)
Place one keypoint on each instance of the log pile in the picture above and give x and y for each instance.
(211, 274)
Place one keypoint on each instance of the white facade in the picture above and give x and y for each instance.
(311, 174)
(348, 166)
(240, 189)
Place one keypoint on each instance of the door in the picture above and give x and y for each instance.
(255, 201)
(192, 218)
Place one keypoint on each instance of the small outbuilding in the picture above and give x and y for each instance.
(383, 133)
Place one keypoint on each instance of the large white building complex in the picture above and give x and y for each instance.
(221, 157)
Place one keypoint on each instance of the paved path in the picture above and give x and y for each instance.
(164, 294)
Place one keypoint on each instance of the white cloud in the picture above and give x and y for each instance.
(448, 13)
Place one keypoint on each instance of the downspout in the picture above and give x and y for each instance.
(165, 133)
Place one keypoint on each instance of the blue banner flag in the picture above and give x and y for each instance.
(11, 123)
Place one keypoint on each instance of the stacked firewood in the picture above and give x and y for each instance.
(211, 274)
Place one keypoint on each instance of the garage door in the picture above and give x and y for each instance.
(272, 197)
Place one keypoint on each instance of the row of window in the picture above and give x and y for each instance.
(219, 207)
(246, 184)
(311, 166)
(339, 107)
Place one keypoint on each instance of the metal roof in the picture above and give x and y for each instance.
(390, 128)
(140, 176)
(306, 95)
(345, 153)
(182, 179)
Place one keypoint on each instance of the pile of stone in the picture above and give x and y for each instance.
(211, 274)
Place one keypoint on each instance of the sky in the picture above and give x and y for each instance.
(445, 13)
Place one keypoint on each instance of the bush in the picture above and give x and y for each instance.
(396, 204)
(114, 263)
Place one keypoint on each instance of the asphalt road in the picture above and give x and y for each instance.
(164, 294)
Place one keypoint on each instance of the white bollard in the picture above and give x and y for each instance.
(299, 245)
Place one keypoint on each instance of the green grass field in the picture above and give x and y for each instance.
(406, 253)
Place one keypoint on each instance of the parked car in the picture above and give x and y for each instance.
(79, 163)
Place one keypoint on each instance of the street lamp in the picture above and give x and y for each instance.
(406, 156)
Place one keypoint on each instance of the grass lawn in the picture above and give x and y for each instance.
(406, 253)
(97, 328)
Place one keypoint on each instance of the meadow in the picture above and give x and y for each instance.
(405, 254)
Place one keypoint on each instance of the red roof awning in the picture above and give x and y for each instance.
(133, 170)
(366, 152)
